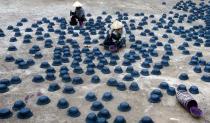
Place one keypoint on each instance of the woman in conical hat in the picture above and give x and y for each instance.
(115, 38)
(78, 15)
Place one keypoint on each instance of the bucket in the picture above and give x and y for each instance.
(189, 103)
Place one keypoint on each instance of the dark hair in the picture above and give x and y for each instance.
(77, 8)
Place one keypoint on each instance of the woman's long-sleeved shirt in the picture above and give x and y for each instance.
(80, 13)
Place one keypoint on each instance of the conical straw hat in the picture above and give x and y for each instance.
(77, 4)
(116, 25)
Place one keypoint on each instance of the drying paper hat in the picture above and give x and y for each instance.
(116, 25)
(77, 4)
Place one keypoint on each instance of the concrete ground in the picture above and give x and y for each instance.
(167, 111)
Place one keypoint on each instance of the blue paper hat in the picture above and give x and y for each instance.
(205, 78)
(5, 113)
(165, 63)
(78, 70)
(44, 65)
(38, 55)
(135, 73)
(62, 103)
(113, 62)
(181, 87)
(66, 78)
(12, 48)
(119, 119)
(183, 76)
(158, 66)
(9, 58)
(10, 27)
(118, 70)
(23, 65)
(18, 105)
(171, 91)
(124, 107)
(73, 112)
(68, 90)
(197, 69)
(96, 106)
(207, 68)
(134, 86)
(77, 80)
(199, 54)
(157, 91)
(91, 65)
(53, 87)
(24, 113)
(65, 60)
(38, 79)
(30, 62)
(15, 80)
(126, 62)
(107, 96)
(105, 70)
(19, 24)
(128, 77)
(101, 120)
(43, 100)
(91, 96)
(121, 86)
(90, 71)
(145, 64)
(129, 69)
(156, 71)
(194, 90)
(154, 98)
(145, 72)
(104, 113)
(5, 81)
(95, 79)
(146, 119)
(13, 39)
(91, 118)
(164, 85)
(63, 72)
(19, 60)
(112, 82)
